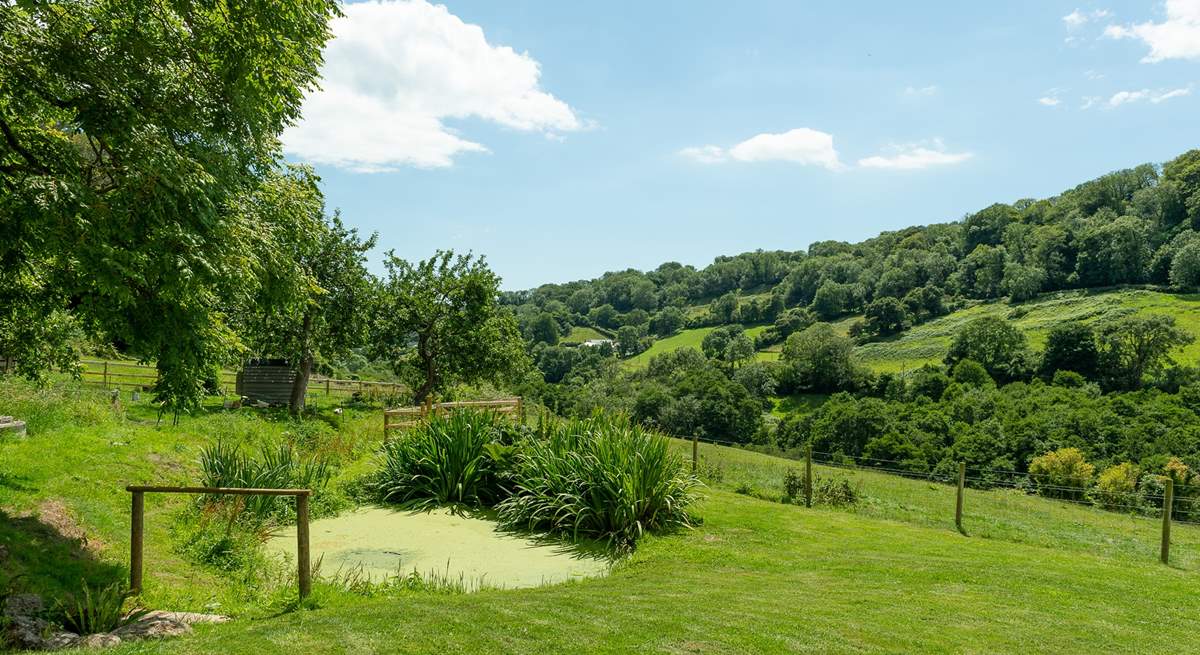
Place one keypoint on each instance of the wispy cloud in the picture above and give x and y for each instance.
(915, 156)
(1177, 37)
(798, 146)
(395, 71)
(1154, 97)
(1051, 98)
(917, 91)
(1079, 18)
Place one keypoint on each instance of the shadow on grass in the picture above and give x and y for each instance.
(48, 562)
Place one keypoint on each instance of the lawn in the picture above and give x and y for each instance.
(889, 575)
(581, 333)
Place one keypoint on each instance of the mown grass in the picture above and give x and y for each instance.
(929, 342)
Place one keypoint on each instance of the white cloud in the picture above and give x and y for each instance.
(395, 71)
(915, 156)
(1155, 97)
(921, 91)
(1091, 101)
(1093, 75)
(799, 146)
(705, 154)
(1049, 101)
(1178, 37)
(1077, 18)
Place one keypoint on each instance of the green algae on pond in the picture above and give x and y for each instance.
(386, 542)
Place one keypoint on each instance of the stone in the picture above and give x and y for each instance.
(11, 427)
(23, 605)
(102, 640)
(190, 618)
(152, 627)
(32, 633)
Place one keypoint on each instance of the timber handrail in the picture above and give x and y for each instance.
(138, 513)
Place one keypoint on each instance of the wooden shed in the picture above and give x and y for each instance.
(266, 380)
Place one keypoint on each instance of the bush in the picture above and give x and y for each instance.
(1062, 473)
(278, 466)
(834, 491)
(604, 477)
(1116, 488)
(449, 460)
(93, 611)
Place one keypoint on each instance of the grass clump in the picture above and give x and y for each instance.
(605, 478)
(278, 466)
(458, 459)
(97, 610)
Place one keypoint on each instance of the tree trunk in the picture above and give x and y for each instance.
(425, 353)
(303, 370)
(300, 385)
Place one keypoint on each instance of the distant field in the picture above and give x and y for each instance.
(928, 343)
(686, 339)
(579, 334)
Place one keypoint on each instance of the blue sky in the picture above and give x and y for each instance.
(563, 140)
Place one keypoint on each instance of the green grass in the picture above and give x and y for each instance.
(888, 575)
(580, 333)
(928, 342)
(685, 339)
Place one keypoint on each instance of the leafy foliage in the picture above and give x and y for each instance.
(94, 611)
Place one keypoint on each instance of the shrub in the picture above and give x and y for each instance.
(1116, 488)
(793, 485)
(277, 467)
(449, 460)
(834, 491)
(1062, 473)
(94, 611)
(604, 477)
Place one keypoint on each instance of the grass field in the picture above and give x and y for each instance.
(685, 339)
(888, 575)
(580, 333)
(928, 342)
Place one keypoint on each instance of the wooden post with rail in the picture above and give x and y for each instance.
(105, 375)
(137, 526)
(136, 540)
(695, 450)
(808, 476)
(958, 505)
(1168, 501)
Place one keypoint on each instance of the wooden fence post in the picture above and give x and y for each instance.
(385, 423)
(302, 545)
(105, 375)
(326, 386)
(695, 450)
(1168, 501)
(136, 531)
(808, 476)
(958, 505)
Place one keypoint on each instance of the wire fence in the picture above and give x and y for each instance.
(1168, 502)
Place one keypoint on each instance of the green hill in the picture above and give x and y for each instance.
(685, 339)
(928, 342)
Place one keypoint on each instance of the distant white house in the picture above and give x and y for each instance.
(592, 343)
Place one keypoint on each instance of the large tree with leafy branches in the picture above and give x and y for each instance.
(126, 128)
(439, 322)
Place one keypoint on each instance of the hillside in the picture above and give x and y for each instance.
(1033, 575)
(926, 343)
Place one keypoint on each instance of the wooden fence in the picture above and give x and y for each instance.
(400, 418)
(140, 377)
(137, 526)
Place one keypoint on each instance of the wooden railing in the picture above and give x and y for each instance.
(137, 525)
(400, 418)
(129, 375)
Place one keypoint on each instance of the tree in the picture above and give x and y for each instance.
(724, 309)
(994, 343)
(1022, 282)
(629, 341)
(315, 294)
(819, 359)
(544, 329)
(1185, 266)
(604, 316)
(833, 299)
(1070, 346)
(1136, 346)
(668, 321)
(1113, 251)
(886, 316)
(127, 132)
(727, 345)
(439, 322)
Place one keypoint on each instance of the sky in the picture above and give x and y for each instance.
(562, 140)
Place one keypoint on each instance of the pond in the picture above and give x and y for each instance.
(385, 542)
